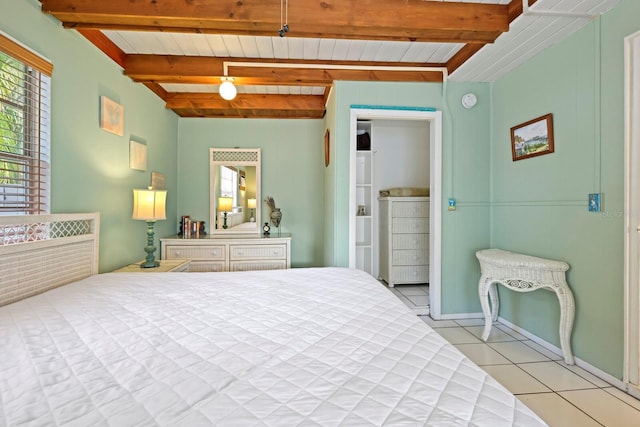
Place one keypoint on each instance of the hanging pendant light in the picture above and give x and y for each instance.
(227, 89)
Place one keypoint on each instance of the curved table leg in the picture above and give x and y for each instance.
(567, 313)
(495, 301)
(486, 290)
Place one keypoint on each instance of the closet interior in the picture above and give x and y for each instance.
(392, 227)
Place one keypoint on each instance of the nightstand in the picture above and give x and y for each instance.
(166, 266)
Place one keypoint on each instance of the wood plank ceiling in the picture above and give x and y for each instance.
(180, 49)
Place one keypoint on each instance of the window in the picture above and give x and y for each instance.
(24, 130)
(229, 183)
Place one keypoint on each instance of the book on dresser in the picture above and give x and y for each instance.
(404, 240)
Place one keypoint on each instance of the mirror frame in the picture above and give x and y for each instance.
(234, 157)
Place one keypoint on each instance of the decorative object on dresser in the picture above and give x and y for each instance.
(266, 229)
(149, 206)
(276, 214)
(232, 253)
(404, 240)
(225, 204)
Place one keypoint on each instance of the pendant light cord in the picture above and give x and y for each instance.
(284, 24)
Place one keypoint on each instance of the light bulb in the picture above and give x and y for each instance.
(227, 89)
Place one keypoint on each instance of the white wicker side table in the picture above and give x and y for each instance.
(524, 273)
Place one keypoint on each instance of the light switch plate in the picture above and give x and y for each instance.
(595, 202)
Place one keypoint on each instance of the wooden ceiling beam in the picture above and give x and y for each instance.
(251, 114)
(247, 106)
(462, 56)
(413, 20)
(213, 101)
(105, 44)
(208, 70)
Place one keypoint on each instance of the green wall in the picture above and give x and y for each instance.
(465, 176)
(292, 173)
(90, 167)
(539, 205)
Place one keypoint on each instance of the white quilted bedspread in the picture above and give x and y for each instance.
(300, 347)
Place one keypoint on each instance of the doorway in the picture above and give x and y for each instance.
(434, 122)
(631, 375)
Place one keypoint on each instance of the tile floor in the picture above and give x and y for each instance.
(560, 394)
(415, 297)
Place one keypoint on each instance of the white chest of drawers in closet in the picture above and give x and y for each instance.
(404, 240)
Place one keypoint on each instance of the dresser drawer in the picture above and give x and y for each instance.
(410, 241)
(410, 274)
(246, 252)
(410, 225)
(276, 264)
(410, 209)
(410, 257)
(195, 252)
(204, 266)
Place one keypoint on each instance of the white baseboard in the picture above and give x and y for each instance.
(579, 362)
(459, 316)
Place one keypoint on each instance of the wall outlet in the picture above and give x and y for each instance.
(595, 202)
(452, 204)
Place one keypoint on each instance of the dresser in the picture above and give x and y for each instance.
(208, 253)
(404, 240)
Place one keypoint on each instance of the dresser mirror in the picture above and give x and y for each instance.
(235, 197)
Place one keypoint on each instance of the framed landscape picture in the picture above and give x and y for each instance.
(532, 138)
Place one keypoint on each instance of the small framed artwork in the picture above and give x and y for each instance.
(532, 138)
(137, 155)
(157, 181)
(326, 148)
(111, 116)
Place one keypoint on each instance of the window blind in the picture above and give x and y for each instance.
(25, 88)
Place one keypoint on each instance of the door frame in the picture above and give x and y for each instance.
(435, 177)
(631, 369)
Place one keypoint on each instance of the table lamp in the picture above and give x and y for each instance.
(224, 205)
(251, 204)
(149, 206)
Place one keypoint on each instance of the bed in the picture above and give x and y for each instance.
(298, 347)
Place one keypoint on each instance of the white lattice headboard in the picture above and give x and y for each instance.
(42, 252)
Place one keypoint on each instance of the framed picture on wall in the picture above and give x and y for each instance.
(158, 181)
(327, 157)
(111, 116)
(532, 138)
(137, 155)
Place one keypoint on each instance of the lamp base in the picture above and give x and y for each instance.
(152, 264)
(150, 260)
